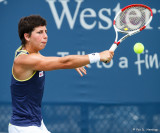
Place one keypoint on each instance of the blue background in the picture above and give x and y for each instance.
(106, 85)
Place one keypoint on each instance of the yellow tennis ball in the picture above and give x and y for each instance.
(125, 29)
(138, 48)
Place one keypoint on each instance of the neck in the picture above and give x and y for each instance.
(30, 49)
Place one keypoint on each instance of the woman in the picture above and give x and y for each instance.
(28, 74)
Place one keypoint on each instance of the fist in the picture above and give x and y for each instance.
(106, 56)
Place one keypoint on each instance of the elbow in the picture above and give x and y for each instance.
(66, 63)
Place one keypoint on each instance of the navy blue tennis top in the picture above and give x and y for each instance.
(27, 97)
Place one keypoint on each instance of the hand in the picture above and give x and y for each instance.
(106, 56)
(81, 70)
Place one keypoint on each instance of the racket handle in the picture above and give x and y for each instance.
(112, 48)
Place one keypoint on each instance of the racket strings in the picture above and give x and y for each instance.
(132, 18)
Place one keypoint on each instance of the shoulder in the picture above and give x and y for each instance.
(27, 58)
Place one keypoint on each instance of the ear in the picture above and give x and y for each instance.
(26, 36)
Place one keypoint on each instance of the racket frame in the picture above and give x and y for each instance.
(130, 33)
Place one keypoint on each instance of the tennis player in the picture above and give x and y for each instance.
(28, 74)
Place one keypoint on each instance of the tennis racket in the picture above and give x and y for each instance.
(130, 20)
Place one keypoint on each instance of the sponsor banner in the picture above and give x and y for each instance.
(81, 27)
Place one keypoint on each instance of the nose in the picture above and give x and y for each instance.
(45, 35)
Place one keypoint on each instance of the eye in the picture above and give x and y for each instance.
(40, 32)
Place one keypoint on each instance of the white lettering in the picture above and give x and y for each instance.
(138, 63)
(123, 62)
(62, 54)
(104, 18)
(92, 14)
(146, 11)
(65, 11)
(105, 65)
(117, 8)
(146, 59)
(149, 60)
(105, 22)
(154, 59)
(158, 12)
(99, 65)
(108, 65)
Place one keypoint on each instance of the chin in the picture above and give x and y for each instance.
(42, 46)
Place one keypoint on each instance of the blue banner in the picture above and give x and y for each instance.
(82, 27)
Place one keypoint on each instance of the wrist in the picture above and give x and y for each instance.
(94, 57)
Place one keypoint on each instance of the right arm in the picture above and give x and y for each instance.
(42, 63)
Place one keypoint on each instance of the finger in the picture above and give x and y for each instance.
(86, 66)
(83, 70)
(78, 70)
(109, 60)
(112, 53)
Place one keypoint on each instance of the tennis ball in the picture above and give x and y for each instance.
(138, 48)
(125, 29)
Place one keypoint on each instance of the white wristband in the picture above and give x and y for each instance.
(94, 57)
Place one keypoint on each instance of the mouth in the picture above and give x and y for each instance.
(43, 42)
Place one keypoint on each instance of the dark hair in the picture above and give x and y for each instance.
(27, 25)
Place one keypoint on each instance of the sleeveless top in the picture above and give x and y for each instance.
(27, 97)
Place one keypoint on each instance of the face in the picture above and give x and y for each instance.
(38, 38)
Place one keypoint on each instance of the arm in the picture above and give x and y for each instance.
(42, 63)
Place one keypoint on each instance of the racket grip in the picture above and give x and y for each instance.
(112, 48)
